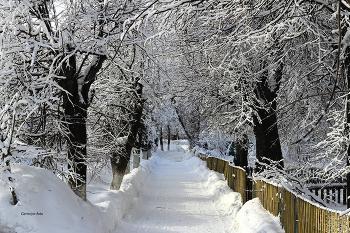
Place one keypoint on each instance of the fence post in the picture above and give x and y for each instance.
(233, 179)
(254, 189)
(243, 185)
(295, 214)
(279, 202)
(328, 195)
(249, 188)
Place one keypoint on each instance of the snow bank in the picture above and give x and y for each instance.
(252, 217)
(48, 205)
(227, 201)
(114, 204)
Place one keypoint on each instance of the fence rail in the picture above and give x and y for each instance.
(296, 215)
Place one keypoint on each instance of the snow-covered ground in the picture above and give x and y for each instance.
(171, 192)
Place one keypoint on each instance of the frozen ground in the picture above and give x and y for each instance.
(172, 192)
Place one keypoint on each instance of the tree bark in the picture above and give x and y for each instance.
(75, 116)
(266, 132)
(346, 67)
(136, 157)
(119, 166)
(12, 189)
(169, 137)
(76, 120)
(138, 148)
(149, 152)
(241, 156)
(161, 139)
(191, 128)
(75, 104)
(347, 130)
(8, 164)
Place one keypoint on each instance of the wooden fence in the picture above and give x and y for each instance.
(235, 176)
(296, 214)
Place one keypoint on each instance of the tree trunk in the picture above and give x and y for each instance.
(138, 149)
(77, 153)
(241, 156)
(75, 104)
(348, 164)
(346, 70)
(12, 188)
(266, 132)
(347, 130)
(161, 139)
(144, 154)
(149, 152)
(267, 140)
(75, 110)
(189, 136)
(119, 166)
(136, 157)
(169, 137)
(191, 125)
(5, 154)
(127, 170)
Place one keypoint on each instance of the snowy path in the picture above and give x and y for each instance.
(175, 201)
(172, 192)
